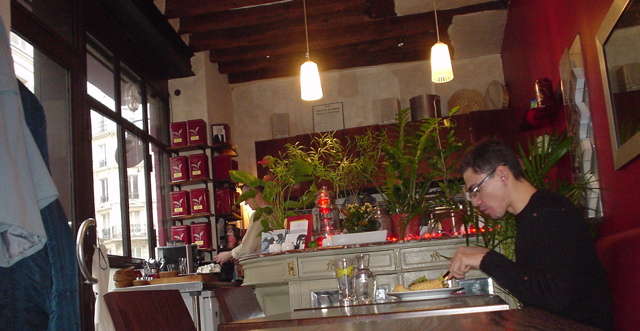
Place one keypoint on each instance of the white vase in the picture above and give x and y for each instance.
(275, 248)
(287, 246)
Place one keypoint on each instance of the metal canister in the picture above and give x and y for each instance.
(544, 92)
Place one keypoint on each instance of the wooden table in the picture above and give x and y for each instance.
(514, 319)
(376, 312)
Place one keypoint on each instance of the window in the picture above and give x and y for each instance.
(133, 187)
(123, 108)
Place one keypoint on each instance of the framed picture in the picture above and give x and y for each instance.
(328, 117)
(299, 230)
(272, 237)
(220, 134)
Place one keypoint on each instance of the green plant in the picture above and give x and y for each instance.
(286, 174)
(411, 157)
(358, 218)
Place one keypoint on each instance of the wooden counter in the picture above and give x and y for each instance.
(294, 280)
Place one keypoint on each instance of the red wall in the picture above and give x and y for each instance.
(536, 35)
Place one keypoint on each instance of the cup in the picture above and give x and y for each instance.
(345, 275)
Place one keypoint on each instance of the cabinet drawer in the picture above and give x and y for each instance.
(270, 272)
(428, 256)
(323, 266)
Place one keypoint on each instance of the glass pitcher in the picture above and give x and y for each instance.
(365, 280)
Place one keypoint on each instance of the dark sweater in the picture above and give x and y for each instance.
(556, 266)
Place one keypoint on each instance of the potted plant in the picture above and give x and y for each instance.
(412, 156)
(286, 174)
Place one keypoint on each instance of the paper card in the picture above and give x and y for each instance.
(272, 237)
(301, 224)
(299, 240)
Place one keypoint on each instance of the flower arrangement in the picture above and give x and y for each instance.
(358, 218)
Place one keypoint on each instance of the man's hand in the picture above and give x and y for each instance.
(222, 257)
(465, 259)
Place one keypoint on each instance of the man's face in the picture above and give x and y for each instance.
(491, 196)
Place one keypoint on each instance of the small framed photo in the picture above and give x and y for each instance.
(300, 227)
(220, 134)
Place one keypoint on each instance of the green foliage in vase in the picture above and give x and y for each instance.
(358, 218)
(406, 162)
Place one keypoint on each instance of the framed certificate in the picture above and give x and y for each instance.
(328, 117)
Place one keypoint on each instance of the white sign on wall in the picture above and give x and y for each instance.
(328, 117)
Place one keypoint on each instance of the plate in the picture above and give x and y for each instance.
(496, 95)
(426, 294)
(468, 100)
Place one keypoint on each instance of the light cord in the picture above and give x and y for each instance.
(306, 30)
(435, 12)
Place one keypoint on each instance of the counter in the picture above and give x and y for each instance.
(297, 279)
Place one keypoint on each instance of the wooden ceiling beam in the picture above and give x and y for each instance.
(188, 8)
(257, 16)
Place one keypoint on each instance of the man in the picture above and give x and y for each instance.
(251, 240)
(556, 266)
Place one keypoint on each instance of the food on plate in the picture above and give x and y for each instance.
(423, 283)
(400, 288)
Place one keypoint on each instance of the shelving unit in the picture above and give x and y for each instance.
(211, 184)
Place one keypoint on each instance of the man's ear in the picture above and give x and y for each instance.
(502, 172)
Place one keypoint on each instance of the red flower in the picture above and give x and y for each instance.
(265, 161)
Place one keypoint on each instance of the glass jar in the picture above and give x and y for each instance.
(326, 214)
(381, 215)
(365, 280)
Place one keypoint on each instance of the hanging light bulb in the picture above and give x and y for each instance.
(310, 86)
(441, 71)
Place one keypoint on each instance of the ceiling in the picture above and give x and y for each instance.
(261, 39)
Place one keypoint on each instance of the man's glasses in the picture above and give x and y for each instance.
(474, 190)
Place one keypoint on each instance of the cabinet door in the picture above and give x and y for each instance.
(323, 266)
(432, 256)
(265, 272)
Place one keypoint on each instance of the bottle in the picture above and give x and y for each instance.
(365, 280)
(326, 215)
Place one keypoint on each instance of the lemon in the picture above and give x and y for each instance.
(342, 271)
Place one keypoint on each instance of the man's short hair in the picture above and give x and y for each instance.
(488, 154)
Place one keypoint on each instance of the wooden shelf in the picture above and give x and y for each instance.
(191, 182)
(202, 147)
(188, 217)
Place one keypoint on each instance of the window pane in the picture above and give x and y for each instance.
(137, 198)
(106, 179)
(50, 83)
(130, 98)
(157, 121)
(100, 82)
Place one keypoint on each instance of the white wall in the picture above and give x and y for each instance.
(248, 107)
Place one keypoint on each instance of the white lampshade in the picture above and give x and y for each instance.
(441, 71)
(310, 86)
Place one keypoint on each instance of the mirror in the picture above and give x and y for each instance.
(618, 41)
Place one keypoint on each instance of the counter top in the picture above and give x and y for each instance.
(182, 287)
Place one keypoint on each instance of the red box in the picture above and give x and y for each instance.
(196, 132)
(181, 233)
(198, 166)
(179, 168)
(199, 198)
(179, 203)
(221, 166)
(201, 234)
(225, 198)
(178, 134)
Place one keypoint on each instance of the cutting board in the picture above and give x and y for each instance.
(205, 278)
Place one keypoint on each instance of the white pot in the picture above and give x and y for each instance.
(275, 248)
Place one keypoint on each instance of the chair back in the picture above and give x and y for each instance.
(157, 310)
(238, 303)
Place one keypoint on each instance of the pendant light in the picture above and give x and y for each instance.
(310, 86)
(441, 71)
